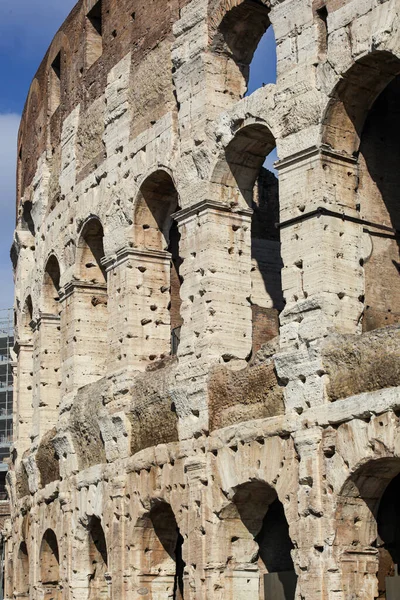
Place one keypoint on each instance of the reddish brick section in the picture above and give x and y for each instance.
(135, 26)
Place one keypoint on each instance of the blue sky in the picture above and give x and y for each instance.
(26, 30)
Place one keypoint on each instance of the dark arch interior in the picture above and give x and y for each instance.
(98, 560)
(49, 559)
(23, 569)
(379, 183)
(388, 521)
(156, 230)
(166, 529)
(92, 252)
(51, 286)
(246, 182)
(261, 512)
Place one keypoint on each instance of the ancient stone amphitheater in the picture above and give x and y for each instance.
(207, 363)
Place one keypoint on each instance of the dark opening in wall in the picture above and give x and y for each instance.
(156, 230)
(27, 221)
(94, 34)
(378, 199)
(322, 24)
(23, 571)
(55, 84)
(245, 182)
(49, 560)
(98, 560)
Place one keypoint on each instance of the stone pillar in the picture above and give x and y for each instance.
(23, 409)
(312, 557)
(47, 374)
(322, 278)
(215, 247)
(140, 330)
(84, 320)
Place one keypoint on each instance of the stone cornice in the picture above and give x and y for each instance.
(144, 255)
(86, 286)
(211, 206)
(46, 318)
(311, 152)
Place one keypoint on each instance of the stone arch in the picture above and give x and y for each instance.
(90, 252)
(158, 552)
(22, 571)
(98, 560)
(363, 120)
(352, 98)
(240, 180)
(362, 553)
(27, 318)
(235, 31)
(51, 286)
(50, 566)
(256, 536)
(156, 231)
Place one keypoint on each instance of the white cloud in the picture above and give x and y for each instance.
(9, 124)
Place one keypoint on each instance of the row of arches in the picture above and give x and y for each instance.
(94, 558)
(252, 528)
(253, 536)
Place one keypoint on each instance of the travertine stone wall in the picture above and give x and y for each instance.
(207, 358)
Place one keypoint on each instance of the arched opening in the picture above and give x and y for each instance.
(51, 287)
(98, 561)
(91, 253)
(368, 531)
(379, 181)
(157, 232)
(50, 566)
(258, 543)
(234, 42)
(160, 555)
(22, 572)
(243, 181)
(27, 317)
(85, 311)
(363, 121)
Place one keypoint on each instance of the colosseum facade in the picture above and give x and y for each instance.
(207, 361)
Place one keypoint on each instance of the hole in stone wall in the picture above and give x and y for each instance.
(94, 34)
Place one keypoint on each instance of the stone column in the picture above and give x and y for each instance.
(139, 331)
(47, 374)
(217, 318)
(84, 318)
(322, 278)
(23, 409)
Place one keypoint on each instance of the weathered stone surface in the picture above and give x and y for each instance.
(202, 397)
